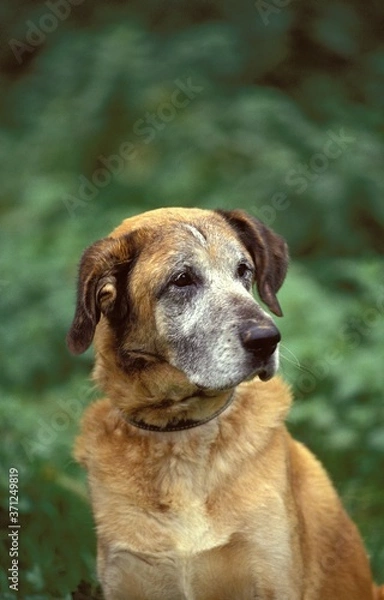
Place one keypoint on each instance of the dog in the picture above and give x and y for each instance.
(198, 490)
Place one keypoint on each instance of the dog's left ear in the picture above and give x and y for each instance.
(269, 253)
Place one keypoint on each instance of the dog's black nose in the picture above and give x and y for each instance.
(261, 340)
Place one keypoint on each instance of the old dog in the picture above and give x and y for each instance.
(198, 490)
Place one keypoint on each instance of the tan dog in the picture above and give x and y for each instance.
(198, 490)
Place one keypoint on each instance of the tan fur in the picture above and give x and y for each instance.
(234, 509)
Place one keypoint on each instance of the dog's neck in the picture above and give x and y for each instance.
(156, 396)
(177, 423)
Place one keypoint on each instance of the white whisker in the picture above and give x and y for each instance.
(294, 360)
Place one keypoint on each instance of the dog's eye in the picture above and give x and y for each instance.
(183, 279)
(244, 271)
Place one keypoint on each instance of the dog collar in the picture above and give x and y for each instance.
(183, 423)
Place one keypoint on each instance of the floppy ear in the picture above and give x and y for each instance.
(97, 288)
(269, 253)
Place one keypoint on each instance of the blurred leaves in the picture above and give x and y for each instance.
(124, 107)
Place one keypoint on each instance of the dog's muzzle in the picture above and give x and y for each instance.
(261, 341)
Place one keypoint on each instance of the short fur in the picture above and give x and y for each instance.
(233, 509)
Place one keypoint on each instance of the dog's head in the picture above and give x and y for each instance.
(173, 287)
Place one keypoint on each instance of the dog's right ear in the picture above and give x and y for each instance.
(97, 288)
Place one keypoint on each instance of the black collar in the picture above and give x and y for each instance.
(182, 424)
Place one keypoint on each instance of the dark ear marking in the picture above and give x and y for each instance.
(269, 252)
(97, 288)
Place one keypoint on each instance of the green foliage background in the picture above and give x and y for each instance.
(270, 84)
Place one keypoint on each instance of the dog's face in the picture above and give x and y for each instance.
(175, 286)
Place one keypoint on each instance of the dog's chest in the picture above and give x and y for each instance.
(183, 555)
(180, 514)
(174, 521)
(191, 528)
